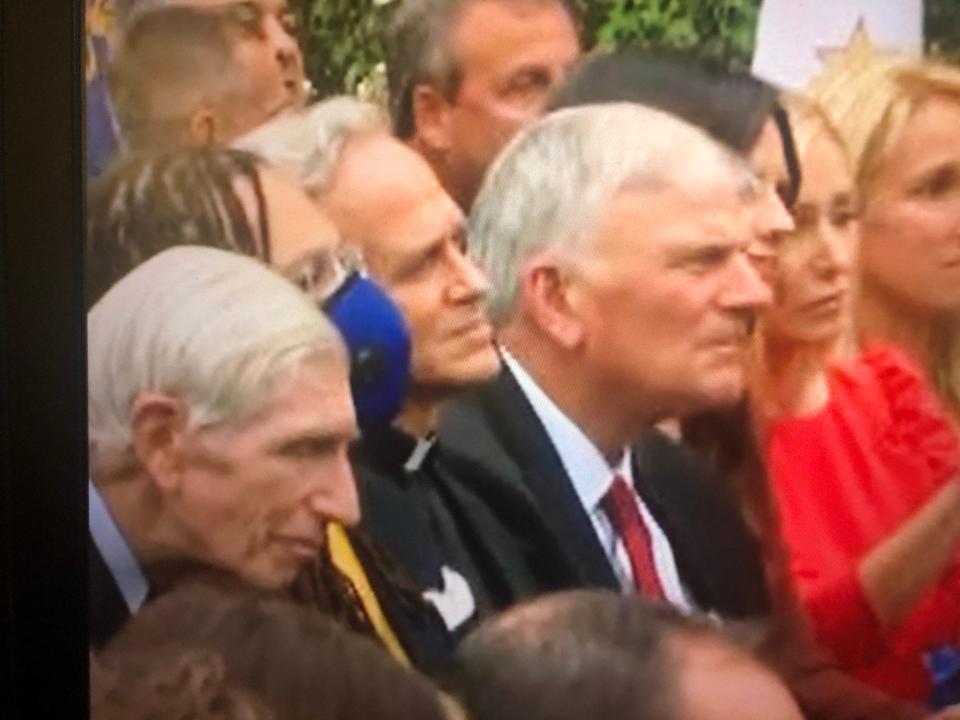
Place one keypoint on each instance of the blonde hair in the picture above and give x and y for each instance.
(869, 96)
(808, 122)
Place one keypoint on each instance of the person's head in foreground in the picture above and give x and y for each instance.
(585, 655)
(387, 203)
(465, 75)
(616, 241)
(219, 415)
(199, 75)
(735, 109)
(168, 683)
(899, 119)
(303, 665)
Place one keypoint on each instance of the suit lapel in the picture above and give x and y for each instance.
(716, 560)
(520, 431)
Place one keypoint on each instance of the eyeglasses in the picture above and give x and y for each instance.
(321, 274)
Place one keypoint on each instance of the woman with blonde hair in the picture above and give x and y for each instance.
(900, 119)
(861, 458)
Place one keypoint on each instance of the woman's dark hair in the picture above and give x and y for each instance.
(148, 202)
(730, 106)
(301, 663)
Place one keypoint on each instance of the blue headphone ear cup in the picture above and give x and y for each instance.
(378, 342)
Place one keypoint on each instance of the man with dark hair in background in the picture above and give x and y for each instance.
(465, 75)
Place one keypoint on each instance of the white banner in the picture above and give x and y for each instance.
(794, 35)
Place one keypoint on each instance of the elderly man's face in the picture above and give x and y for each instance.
(254, 499)
(510, 55)
(672, 263)
(385, 199)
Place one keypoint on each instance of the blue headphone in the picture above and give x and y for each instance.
(378, 342)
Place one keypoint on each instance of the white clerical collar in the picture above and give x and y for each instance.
(588, 470)
(115, 551)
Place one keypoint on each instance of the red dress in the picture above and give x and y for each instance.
(845, 479)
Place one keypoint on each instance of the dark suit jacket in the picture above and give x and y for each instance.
(108, 610)
(455, 512)
(496, 430)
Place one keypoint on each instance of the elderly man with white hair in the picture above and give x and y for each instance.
(615, 237)
(219, 421)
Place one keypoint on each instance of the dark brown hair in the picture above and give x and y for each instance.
(148, 202)
(302, 663)
(168, 682)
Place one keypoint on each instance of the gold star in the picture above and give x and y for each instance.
(859, 50)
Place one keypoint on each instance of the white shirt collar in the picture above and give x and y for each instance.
(589, 471)
(115, 551)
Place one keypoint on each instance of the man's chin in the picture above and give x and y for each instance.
(477, 369)
(718, 396)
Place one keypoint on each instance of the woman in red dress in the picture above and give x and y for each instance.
(861, 457)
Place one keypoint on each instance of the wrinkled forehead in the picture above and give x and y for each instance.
(679, 211)
(511, 33)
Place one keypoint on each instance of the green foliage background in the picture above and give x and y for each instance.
(343, 43)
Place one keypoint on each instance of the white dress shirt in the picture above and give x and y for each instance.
(592, 477)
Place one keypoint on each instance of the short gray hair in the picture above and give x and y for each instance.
(171, 61)
(549, 186)
(308, 144)
(418, 51)
(214, 329)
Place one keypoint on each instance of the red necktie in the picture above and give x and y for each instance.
(620, 504)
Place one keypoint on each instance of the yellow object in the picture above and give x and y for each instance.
(346, 561)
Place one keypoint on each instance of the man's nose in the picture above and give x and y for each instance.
(469, 282)
(338, 500)
(284, 44)
(746, 290)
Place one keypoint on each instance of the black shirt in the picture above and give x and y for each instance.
(407, 520)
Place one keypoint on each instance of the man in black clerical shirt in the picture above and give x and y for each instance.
(443, 523)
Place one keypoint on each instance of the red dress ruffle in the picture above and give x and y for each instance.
(845, 479)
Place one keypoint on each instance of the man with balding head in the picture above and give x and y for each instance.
(615, 238)
(589, 655)
(219, 421)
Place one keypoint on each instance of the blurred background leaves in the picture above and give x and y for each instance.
(343, 39)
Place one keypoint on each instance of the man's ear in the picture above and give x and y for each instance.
(431, 118)
(204, 127)
(545, 291)
(159, 425)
